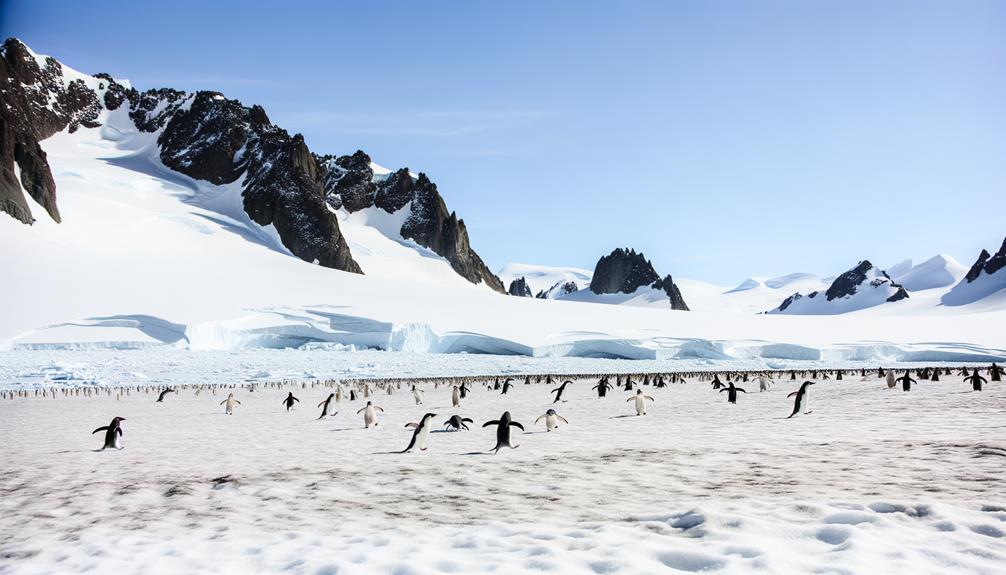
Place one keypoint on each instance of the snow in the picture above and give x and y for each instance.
(541, 278)
(872, 477)
(937, 272)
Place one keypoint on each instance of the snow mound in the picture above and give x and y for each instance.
(936, 272)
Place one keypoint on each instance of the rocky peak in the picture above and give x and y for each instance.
(558, 289)
(989, 264)
(673, 293)
(519, 288)
(622, 271)
(349, 181)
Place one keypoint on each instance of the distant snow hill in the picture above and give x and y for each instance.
(165, 218)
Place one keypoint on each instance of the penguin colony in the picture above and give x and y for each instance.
(461, 388)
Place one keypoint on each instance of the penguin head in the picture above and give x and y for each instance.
(118, 419)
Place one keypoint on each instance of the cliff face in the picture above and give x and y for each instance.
(625, 271)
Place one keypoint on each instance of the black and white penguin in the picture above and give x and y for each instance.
(417, 394)
(507, 385)
(640, 400)
(764, 382)
(421, 435)
(802, 402)
(457, 423)
(732, 392)
(113, 432)
(369, 412)
(503, 425)
(906, 381)
(289, 401)
(324, 406)
(552, 419)
(352, 394)
(995, 372)
(160, 398)
(558, 391)
(230, 402)
(716, 383)
(602, 387)
(455, 396)
(975, 380)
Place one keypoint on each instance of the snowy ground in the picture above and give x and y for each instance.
(872, 481)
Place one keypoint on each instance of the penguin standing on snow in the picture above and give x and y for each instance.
(289, 401)
(160, 398)
(975, 380)
(558, 391)
(230, 402)
(455, 396)
(421, 435)
(802, 402)
(995, 372)
(113, 432)
(457, 423)
(552, 419)
(640, 400)
(764, 383)
(602, 387)
(716, 383)
(503, 425)
(324, 406)
(732, 392)
(891, 380)
(369, 412)
(417, 394)
(507, 385)
(906, 381)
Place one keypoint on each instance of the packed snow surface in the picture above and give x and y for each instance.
(872, 480)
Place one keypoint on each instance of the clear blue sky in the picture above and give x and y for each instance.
(723, 139)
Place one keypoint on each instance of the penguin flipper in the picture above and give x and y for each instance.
(412, 425)
(740, 390)
(792, 394)
(563, 419)
(539, 419)
(119, 431)
(361, 410)
(515, 424)
(493, 422)
(466, 420)
(102, 428)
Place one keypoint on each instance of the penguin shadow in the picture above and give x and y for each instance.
(478, 453)
(622, 416)
(343, 429)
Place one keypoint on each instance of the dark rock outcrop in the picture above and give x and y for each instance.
(558, 289)
(349, 181)
(519, 288)
(989, 264)
(622, 271)
(673, 293)
(847, 283)
(625, 271)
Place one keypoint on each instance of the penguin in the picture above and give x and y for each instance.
(640, 401)
(289, 401)
(906, 381)
(507, 385)
(464, 390)
(421, 435)
(732, 392)
(995, 372)
(417, 394)
(558, 391)
(230, 402)
(936, 375)
(113, 431)
(552, 419)
(976, 381)
(717, 384)
(456, 396)
(457, 423)
(369, 414)
(764, 383)
(891, 380)
(324, 406)
(602, 387)
(802, 401)
(160, 398)
(338, 393)
(352, 394)
(503, 425)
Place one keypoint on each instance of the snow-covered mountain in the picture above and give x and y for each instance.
(938, 271)
(544, 279)
(861, 287)
(985, 280)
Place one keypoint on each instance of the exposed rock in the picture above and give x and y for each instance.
(988, 264)
(202, 142)
(789, 301)
(978, 267)
(847, 283)
(558, 289)
(622, 271)
(349, 181)
(673, 293)
(519, 288)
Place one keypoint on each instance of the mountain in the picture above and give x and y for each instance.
(860, 287)
(627, 272)
(985, 278)
(936, 272)
(284, 187)
(543, 278)
(518, 288)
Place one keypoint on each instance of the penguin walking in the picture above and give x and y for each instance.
(230, 402)
(732, 392)
(552, 419)
(558, 391)
(324, 406)
(802, 402)
(289, 401)
(160, 398)
(995, 372)
(369, 412)
(716, 383)
(906, 381)
(891, 379)
(764, 383)
(640, 400)
(507, 385)
(457, 423)
(417, 394)
(113, 433)
(602, 387)
(975, 380)
(503, 425)
(421, 435)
